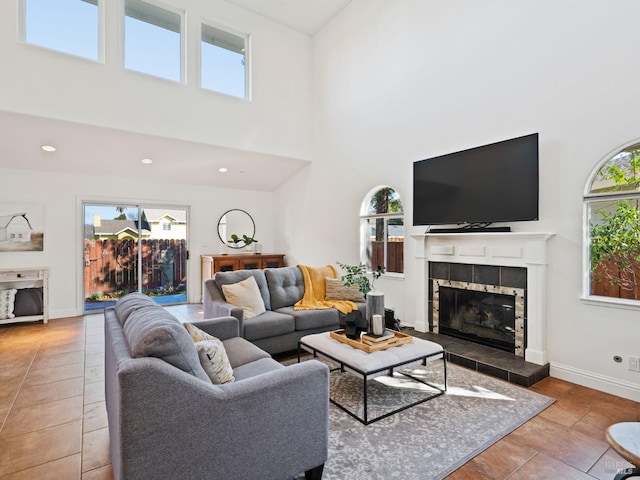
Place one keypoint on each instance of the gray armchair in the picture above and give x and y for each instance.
(166, 423)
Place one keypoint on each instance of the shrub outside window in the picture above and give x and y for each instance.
(382, 224)
(153, 40)
(223, 61)
(613, 213)
(67, 26)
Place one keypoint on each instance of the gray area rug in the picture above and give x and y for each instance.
(427, 441)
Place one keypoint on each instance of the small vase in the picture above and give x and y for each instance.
(375, 306)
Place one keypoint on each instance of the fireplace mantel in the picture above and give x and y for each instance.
(513, 249)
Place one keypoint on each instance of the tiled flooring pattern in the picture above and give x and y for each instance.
(54, 423)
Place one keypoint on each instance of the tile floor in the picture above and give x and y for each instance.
(54, 423)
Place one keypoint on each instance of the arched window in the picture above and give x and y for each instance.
(612, 201)
(382, 227)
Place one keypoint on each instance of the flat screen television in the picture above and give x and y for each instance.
(482, 185)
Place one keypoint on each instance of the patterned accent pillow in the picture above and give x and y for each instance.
(246, 295)
(197, 335)
(7, 299)
(213, 357)
(214, 361)
(337, 290)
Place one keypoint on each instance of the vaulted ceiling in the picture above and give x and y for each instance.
(306, 16)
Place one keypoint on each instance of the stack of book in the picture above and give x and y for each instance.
(387, 337)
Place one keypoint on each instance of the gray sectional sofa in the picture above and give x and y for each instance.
(168, 421)
(280, 327)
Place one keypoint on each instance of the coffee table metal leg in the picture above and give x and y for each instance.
(365, 401)
(444, 362)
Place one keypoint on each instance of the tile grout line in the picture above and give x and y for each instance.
(84, 386)
(15, 397)
(28, 370)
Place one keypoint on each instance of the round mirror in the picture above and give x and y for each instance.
(235, 227)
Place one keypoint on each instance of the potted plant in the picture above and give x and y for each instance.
(357, 275)
(241, 242)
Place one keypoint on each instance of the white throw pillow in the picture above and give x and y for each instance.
(7, 299)
(246, 295)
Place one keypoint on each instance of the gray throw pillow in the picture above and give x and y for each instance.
(28, 301)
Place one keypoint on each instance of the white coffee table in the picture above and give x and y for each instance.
(370, 365)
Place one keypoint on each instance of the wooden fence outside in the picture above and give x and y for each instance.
(111, 266)
(605, 288)
(395, 251)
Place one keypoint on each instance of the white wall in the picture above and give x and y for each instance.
(62, 195)
(48, 84)
(277, 120)
(396, 82)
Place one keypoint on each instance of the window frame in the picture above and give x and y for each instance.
(247, 57)
(22, 33)
(589, 199)
(365, 220)
(183, 40)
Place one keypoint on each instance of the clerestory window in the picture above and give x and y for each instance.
(153, 39)
(223, 61)
(382, 227)
(67, 26)
(612, 206)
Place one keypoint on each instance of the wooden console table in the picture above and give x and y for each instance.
(210, 264)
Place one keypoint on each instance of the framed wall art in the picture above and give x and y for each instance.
(21, 227)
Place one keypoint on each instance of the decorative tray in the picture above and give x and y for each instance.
(398, 339)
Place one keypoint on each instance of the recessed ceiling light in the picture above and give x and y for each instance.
(48, 148)
(223, 170)
(147, 161)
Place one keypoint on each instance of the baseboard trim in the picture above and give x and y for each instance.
(603, 383)
(53, 314)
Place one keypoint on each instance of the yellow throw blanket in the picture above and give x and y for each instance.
(315, 290)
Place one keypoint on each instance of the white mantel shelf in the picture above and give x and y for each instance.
(511, 249)
(515, 249)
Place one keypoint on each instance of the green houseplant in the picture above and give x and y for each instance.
(240, 242)
(357, 275)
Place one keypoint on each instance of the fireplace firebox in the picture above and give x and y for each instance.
(480, 303)
(479, 316)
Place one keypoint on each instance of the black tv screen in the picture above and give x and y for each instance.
(482, 185)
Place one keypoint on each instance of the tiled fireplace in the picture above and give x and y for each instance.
(484, 304)
(496, 283)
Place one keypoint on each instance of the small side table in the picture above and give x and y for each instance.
(624, 438)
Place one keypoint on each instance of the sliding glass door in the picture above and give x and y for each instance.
(134, 248)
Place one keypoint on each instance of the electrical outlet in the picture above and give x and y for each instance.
(634, 363)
